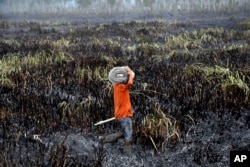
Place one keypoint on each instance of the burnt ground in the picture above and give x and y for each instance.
(207, 143)
(203, 19)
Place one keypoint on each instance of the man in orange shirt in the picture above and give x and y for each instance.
(123, 111)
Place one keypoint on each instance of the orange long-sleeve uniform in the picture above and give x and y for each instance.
(122, 103)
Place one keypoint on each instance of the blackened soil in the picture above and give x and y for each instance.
(206, 143)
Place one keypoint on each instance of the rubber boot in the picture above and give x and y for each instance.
(111, 138)
(127, 148)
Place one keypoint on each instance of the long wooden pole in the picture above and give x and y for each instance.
(105, 121)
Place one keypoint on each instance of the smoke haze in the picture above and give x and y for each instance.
(90, 7)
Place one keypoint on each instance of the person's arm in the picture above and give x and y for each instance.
(130, 73)
(130, 80)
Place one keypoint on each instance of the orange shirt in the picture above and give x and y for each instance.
(122, 104)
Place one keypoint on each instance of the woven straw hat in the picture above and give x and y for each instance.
(118, 75)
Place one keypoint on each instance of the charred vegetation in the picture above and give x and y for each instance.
(54, 79)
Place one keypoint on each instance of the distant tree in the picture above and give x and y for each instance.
(148, 2)
(84, 3)
(111, 2)
(3, 1)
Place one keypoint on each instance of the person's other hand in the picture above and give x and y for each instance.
(127, 69)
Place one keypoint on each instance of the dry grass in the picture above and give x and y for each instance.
(229, 81)
(157, 125)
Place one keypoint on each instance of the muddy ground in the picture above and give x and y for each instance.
(206, 143)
